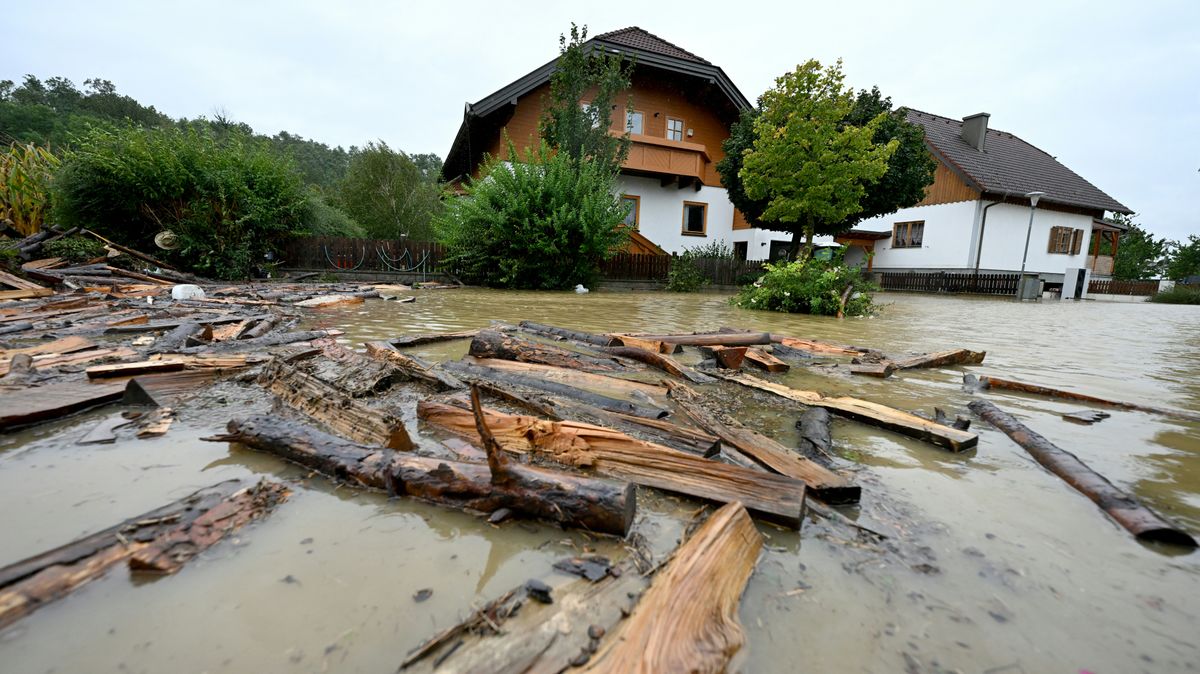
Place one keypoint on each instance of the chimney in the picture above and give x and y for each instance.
(974, 130)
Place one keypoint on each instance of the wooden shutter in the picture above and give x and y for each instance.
(1076, 241)
(1052, 247)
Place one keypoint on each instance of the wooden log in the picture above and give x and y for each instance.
(816, 437)
(273, 339)
(414, 340)
(597, 505)
(941, 359)
(791, 353)
(821, 482)
(819, 347)
(472, 372)
(324, 301)
(333, 409)
(986, 382)
(615, 387)
(413, 368)
(661, 361)
(765, 361)
(354, 373)
(158, 326)
(160, 541)
(728, 357)
(137, 276)
(12, 328)
(132, 369)
(1142, 522)
(878, 370)
(687, 621)
(132, 253)
(260, 328)
(867, 412)
(615, 454)
(502, 346)
(565, 333)
(713, 339)
(648, 344)
(177, 338)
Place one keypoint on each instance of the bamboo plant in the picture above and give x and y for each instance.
(25, 186)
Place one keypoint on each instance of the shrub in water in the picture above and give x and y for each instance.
(228, 198)
(543, 222)
(809, 287)
(1180, 294)
(685, 275)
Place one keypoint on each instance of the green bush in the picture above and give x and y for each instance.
(746, 278)
(685, 275)
(808, 287)
(74, 249)
(228, 198)
(542, 222)
(1178, 295)
(329, 220)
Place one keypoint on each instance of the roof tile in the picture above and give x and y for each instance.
(636, 38)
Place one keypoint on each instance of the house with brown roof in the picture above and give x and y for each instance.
(975, 215)
(683, 109)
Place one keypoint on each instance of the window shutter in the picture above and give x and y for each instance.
(1076, 241)
(1050, 248)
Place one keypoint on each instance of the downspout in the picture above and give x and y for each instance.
(983, 230)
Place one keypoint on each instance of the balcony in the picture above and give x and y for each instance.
(669, 159)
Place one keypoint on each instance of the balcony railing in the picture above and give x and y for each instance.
(650, 154)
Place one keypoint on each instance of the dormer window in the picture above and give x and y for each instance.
(674, 129)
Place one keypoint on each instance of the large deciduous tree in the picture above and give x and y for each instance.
(822, 145)
(1140, 255)
(1185, 259)
(389, 195)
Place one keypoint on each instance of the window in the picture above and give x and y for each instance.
(633, 203)
(908, 234)
(674, 129)
(1065, 241)
(587, 111)
(633, 123)
(741, 250)
(695, 217)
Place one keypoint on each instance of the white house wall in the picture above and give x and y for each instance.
(946, 243)
(660, 212)
(1004, 240)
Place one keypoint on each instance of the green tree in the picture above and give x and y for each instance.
(567, 124)
(1185, 259)
(817, 156)
(386, 193)
(230, 199)
(543, 221)
(1139, 254)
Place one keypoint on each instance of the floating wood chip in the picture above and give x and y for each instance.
(687, 621)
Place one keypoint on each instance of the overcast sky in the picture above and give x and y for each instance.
(1111, 88)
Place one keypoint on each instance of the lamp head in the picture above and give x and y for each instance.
(1033, 198)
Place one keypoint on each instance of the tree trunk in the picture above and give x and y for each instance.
(612, 453)
(1035, 389)
(1125, 509)
(661, 361)
(159, 541)
(687, 621)
(493, 344)
(412, 367)
(586, 337)
(594, 504)
(334, 409)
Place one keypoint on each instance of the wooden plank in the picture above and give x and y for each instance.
(1125, 509)
(661, 361)
(687, 621)
(45, 403)
(867, 412)
(941, 359)
(713, 339)
(63, 345)
(414, 340)
(878, 370)
(657, 346)
(49, 360)
(614, 386)
(765, 361)
(613, 453)
(819, 347)
(160, 541)
(334, 409)
(1037, 389)
(821, 482)
(18, 282)
(728, 357)
(25, 293)
(131, 369)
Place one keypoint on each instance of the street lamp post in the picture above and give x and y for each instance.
(1033, 202)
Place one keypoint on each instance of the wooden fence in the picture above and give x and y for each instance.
(642, 267)
(1123, 287)
(335, 253)
(950, 282)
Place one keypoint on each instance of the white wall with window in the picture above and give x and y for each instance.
(675, 218)
(924, 237)
(1004, 239)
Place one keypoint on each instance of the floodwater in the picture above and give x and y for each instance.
(993, 564)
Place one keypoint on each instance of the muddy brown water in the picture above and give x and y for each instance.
(994, 566)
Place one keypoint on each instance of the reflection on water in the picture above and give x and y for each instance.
(997, 566)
